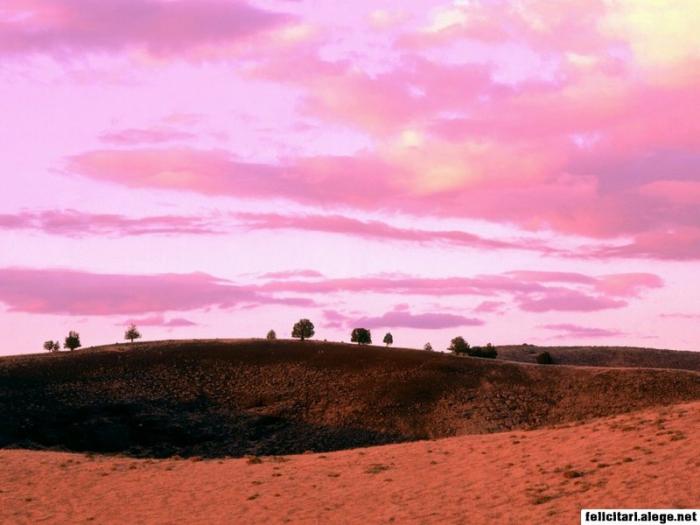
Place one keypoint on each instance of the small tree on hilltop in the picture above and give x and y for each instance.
(388, 339)
(428, 347)
(72, 341)
(361, 336)
(52, 346)
(303, 329)
(458, 346)
(488, 351)
(544, 358)
(132, 333)
(271, 335)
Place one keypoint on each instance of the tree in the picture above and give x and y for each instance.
(271, 335)
(388, 339)
(72, 341)
(52, 346)
(361, 336)
(488, 351)
(458, 346)
(303, 329)
(428, 347)
(132, 333)
(544, 358)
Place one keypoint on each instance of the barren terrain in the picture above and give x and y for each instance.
(644, 459)
(232, 398)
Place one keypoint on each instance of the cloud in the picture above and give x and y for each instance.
(674, 244)
(137, 136)
(378, 230)
(563, 300)
(679, 315)
(489, 307)
(159, 320)
(575, 331)
(399, 318)
(480, 186)
(427, 321)
(291, 274)
(531, 291)
(72, 223)
(72, 292)
(176, 28)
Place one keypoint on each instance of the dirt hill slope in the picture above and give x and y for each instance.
(643, 459)
(608, 356)
(215, 398)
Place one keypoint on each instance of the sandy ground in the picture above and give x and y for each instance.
(645, 459)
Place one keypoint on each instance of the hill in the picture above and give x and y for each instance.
(218, 397)
(607, 356)
(643, 459)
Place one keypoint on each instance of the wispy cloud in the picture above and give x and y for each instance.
(567, 330)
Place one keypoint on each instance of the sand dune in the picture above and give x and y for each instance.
(643, 459)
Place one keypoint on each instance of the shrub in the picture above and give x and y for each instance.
(361, 336)
(72, 341)
(428, 347)
(52, 346)
(544, 358)
(458, 346)
(488, 351)
(388, 339)
(132, 333)
(271, 336)
(303, 329)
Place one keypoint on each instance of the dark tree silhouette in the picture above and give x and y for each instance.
(303, 329)
(428, 347)
(72, 341)
(458, 346)
(271, 335)
(132, 333)
(361, 336)
(388, 339)
(52, 346)
(544, 358)
(488, 351)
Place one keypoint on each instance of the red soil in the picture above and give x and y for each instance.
(643, 459)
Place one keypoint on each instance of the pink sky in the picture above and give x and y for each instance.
(510, 171)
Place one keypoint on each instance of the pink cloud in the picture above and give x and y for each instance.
(564, 300)
(159, 320)
(71, 292)
(676, 243)
(291, 274)
(161, 28)
(621, 284)
(400, 318)
(532, 291)
(571, 204)
(627, 284)
(136, 136)
(72, 223)
(568, 330)
(542, 199)
(489, 307)
(679, 315)
(426, 321)
(383, 231)
(681, 192)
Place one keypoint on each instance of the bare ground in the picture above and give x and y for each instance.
(645, 459)
(232, 398)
